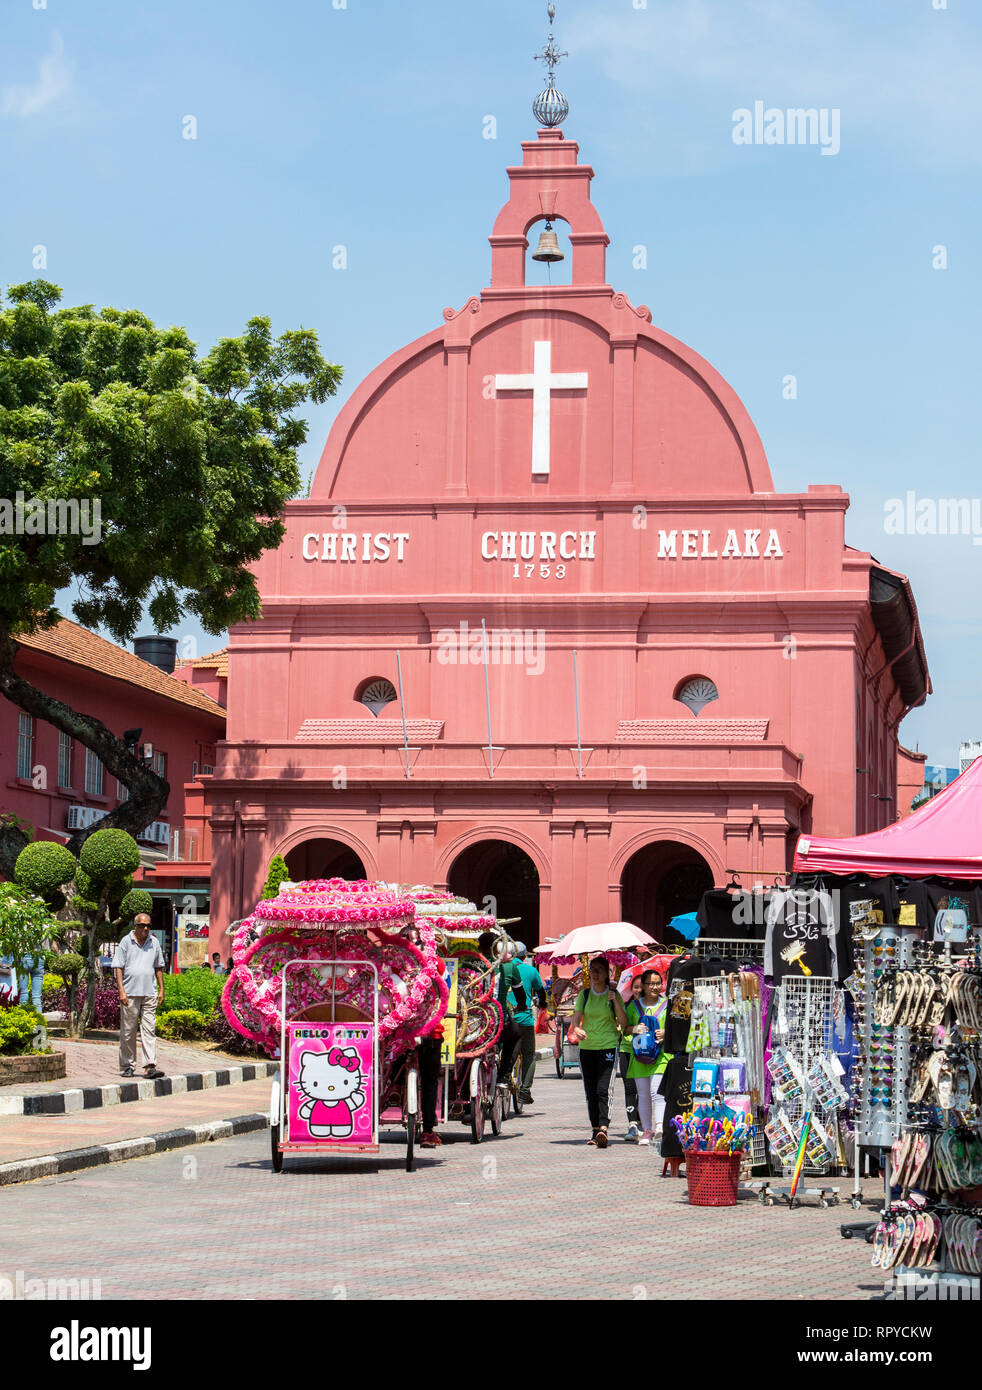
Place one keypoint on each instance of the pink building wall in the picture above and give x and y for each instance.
(662, 552)
(184, 734)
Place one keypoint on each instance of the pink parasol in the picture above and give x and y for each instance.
(602, 936)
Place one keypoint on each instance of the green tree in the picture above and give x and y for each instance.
(26, 923)
(277, 873)
(190, 459)
(102, 898)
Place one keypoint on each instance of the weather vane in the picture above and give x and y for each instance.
(550, 107)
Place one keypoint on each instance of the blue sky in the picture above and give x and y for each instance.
(364, 126)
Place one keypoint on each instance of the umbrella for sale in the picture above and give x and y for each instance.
(686, 924)
(799, 1161)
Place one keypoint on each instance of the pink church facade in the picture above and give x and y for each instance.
(605, 662)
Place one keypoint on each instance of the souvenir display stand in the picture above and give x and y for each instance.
(916, 1085)
(726, 1056)
(926, 1098)
(807, 1094)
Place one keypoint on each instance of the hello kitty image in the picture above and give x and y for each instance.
(331, 1083)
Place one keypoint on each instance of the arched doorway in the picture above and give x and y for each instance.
(659, 882)
(499, 870)
(324, 859)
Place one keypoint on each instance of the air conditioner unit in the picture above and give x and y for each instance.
(208, 769)
(81, 817)
(161, 829)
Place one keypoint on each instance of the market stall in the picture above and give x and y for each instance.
(907, 907)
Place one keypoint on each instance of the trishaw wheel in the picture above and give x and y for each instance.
(477, 1107)
(274, 1137)
(559, 1068)
(497, 1112)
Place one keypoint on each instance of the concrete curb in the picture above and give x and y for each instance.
(119, 1092)
(72, 1160)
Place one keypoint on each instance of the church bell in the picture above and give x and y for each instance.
(548, 247)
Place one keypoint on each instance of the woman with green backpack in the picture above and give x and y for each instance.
(649, 1059)
(597, 1015)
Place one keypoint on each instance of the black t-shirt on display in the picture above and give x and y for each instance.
(740, 915)
(802, 936)
(860, 900)
(952, 908)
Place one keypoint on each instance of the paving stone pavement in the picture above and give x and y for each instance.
(90, 1062)
(24, 1136)
(535, 1213)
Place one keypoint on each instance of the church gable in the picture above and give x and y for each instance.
(537, 392)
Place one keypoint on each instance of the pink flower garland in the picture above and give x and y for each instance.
(317, 917)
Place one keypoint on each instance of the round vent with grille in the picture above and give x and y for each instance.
(377, 695)
(697, 694)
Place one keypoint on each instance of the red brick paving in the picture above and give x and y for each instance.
(533, 1214)
(27, 1136)
(95, 1063)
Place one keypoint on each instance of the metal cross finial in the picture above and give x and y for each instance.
(551, 55)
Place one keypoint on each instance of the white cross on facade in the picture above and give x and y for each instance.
(542, 382)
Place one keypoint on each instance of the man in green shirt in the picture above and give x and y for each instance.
(531, 982)
(509, 984)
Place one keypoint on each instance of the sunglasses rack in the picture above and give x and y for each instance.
(880, 1076)
(805, 1074)
(918, 1087)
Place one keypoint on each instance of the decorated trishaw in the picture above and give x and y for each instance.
(474, 1020)
(325, 977)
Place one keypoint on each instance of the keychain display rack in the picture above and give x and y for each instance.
(726, 1018)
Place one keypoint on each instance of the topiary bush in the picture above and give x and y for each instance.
(64, 964)
(194, 989)
(109, 856)
(278, 872)
(44, 868)
(137, 900)
(181, 1023)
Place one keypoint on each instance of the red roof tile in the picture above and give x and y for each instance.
(68, 641)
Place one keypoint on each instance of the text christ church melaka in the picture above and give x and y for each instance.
(677, 668)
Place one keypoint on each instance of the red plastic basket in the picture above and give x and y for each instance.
(713, 1179)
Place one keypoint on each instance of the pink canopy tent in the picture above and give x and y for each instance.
(944, 837)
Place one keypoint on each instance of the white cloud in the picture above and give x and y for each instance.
(906, 81)
(54, 80)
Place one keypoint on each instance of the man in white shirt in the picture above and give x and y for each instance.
(139, 967)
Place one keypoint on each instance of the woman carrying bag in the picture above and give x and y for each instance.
(649, 1059)
(597, 1015)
